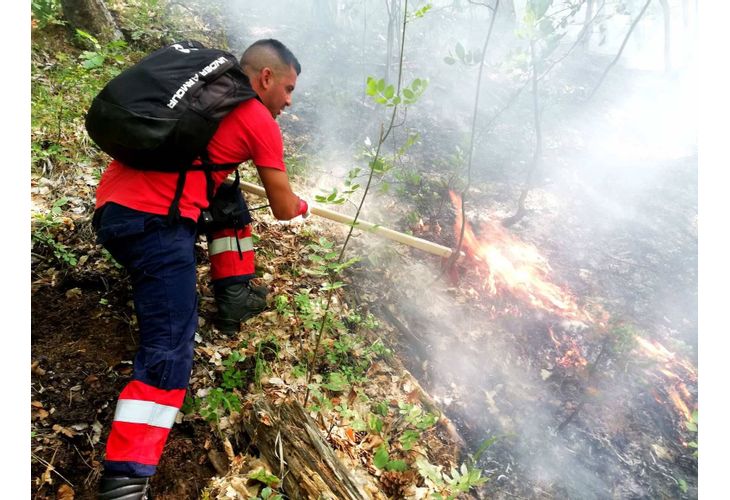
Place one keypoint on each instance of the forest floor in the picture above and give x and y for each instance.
(605, 429)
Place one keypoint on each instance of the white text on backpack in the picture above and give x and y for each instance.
(193, 80)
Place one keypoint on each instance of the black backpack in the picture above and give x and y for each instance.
(161, 113)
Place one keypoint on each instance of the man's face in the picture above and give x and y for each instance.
(277, 93)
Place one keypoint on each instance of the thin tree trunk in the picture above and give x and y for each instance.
(91, 16)
(667, 35)
(587, 24)
(393, 24)
(520, 213)
(457, 251)
(621, 50)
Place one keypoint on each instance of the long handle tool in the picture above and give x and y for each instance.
(412, 241)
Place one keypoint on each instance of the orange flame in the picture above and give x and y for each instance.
(508, 264)
(517, 267)
(671, 366)
(679, 403)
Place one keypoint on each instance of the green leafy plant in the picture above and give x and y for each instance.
(692, 426)
(409, 438)
(320, 402)
(271, 481)
(263, 476)
(233, 378)
(336, 382)
(375, 424)
(391, 96)
(45, 12)
(217, 404)
(46, 228)
(281, 304)
(419, 13)
(415, 416)
(381, 460)
(101, 54)
(327, 263)
(450, 486)
(269, 494)
(466, 57)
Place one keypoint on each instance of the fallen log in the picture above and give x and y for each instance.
(290, 439)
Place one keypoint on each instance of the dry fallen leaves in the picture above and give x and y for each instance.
(65, 492)
(63, 430)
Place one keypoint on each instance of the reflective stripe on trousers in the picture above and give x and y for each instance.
(225, 260)
(142, 421)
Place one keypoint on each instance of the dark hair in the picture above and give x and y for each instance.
(284, 54)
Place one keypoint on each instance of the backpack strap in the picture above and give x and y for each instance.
(173, 215)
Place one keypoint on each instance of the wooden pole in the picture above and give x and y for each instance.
(411, 241)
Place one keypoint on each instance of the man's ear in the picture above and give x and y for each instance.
(267, 77)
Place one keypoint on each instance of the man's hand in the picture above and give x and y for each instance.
(304, 209)
(301, 217)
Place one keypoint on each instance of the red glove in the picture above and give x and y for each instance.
(303, 209)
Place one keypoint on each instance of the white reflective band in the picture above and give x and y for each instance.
(135, 411)
(228, 244)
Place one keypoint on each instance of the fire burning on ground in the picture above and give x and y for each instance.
(513, 266)
(507, 265)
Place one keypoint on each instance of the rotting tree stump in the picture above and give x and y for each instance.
(288, 437)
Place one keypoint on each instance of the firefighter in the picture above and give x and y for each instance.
(131, 222)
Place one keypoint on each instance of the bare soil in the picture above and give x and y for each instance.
(83, 349)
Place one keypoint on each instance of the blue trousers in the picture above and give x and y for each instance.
(160, 260)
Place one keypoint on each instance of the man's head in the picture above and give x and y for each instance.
(273, 71)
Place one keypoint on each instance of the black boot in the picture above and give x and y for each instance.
(236, 303)
(124, 488)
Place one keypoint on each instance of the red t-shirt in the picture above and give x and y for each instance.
(249, 132)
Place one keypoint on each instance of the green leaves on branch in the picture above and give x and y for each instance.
(217, 403)
(415, 416)
(386, 94)
(537, 8)
(468, 58)
(331, 198)
(326, 259)
(420, 12)
(92, 59)
(412, 92)
(336, 197)
(409, 438)
(46, 12)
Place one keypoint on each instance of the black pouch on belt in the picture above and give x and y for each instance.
(227, 210)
